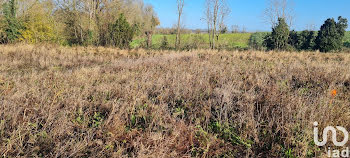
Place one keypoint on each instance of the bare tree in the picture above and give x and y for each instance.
(244, 29)
(151, 21)
(223, 13)
(208, 19)
(216, 12)
(311, 27)
(279, 9)
(180, 6)
(234, 28)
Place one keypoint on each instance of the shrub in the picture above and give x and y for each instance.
(256, 41)
(197, 41)
(165, 43)
(347, 44)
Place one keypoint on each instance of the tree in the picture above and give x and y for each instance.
(73, 22)
(151, 21)
(12, 24)
(234, 28)
(38, 25)
(180, 6)
(279, 9)
(278, 40)
(294, 39)
(330, 36)
(307, 40)
(122, 33)
(208, 19)
(88, 22)
(215, 15)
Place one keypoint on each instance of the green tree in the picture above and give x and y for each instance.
(307, 40)
(12, 24)
(278, 40)
(294, 39)
(122, 33)
(330, 36)
(302, 41)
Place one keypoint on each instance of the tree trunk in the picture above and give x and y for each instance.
(149, 39)
(177, 41)
(209, 34)
(213, 37)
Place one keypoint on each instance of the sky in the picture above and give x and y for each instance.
(249, 13)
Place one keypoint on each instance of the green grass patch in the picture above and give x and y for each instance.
(232, 40)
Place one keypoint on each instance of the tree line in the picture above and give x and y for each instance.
(328, 38)
(116, 23)
(76, 22)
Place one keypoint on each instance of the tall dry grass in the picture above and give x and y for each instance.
(103, 102)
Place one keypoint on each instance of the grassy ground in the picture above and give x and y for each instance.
(232, 40)
(347, 39)
(101, 102)
(347, 36)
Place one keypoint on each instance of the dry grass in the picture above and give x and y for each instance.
(100, 102)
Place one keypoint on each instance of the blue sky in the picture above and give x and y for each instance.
(248, 13)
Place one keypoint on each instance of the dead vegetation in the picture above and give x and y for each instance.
(101, 102)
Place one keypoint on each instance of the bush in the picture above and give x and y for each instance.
(256, 40)
(197, 41)
(165, 43)
(347, 44)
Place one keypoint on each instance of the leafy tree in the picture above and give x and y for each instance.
(330, 36)
(307, 40)
(302, 41)
(279, 36)
(294, 39)
(122, 33)
(38, 25)
(12, 24)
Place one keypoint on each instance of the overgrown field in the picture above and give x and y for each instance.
(101, 102)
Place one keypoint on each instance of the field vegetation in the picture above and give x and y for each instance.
(97, 78)
(106, 102)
